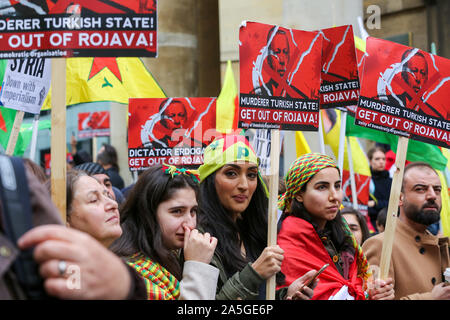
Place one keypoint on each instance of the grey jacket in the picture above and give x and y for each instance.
(243, 285)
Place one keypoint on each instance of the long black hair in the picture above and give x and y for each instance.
(250, 229)
(141, 230)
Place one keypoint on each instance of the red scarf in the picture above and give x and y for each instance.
(303, 251)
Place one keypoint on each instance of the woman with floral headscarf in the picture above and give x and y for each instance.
(159, 220)
(233, 208)
(313, 233)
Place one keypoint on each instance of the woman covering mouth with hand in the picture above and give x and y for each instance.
(159, 219)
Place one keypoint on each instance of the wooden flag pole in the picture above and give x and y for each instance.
(94, 149)
(14, 133)
(58, 136)
(342, 141)
(273, 203)
(321, 141)
(352, 175)
(34, 137)
(391, 218)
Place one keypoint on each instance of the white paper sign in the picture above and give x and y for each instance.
(26, 84)
(261, 144)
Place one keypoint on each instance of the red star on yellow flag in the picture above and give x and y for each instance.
(98, 64)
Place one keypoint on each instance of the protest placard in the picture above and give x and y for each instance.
(340, 81)
(93, 124)
(26, 83)
(170, 130)
(404, 91)
(85, 28)
(362, 184)
(279, 77)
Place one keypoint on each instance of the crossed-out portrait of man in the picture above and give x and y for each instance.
(415, 71)
(278, 66)
(174, 116)
(158, 130)
(415, 81)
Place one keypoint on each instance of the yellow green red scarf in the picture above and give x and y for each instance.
(160, 283)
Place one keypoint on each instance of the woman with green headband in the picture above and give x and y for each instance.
(233, 208)
(314, 233)
(158, 220)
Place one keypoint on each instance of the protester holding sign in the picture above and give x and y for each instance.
(233, 208)
(418, 258)
(313, 233)
(159, 219)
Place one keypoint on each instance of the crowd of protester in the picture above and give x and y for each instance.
(202, 234)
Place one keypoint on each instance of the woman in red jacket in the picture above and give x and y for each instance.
(313, 233)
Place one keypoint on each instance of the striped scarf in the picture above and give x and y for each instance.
(160, 283)
(361, 260)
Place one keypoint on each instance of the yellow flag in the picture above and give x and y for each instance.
(107, 79)
(445, 194)
(331, 137)
(301, 145)
(445, 211)
(227, 103)
(360, 44)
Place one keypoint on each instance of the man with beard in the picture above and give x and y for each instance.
(418, 257)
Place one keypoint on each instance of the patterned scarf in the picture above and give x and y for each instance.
(160, 283)
(174, 171)
(300, 172)
(361, 260)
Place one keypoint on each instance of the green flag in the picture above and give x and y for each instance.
(417, 151)
(26, 131)
(7, 116)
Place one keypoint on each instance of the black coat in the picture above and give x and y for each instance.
(382, 182)
(116, 179)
